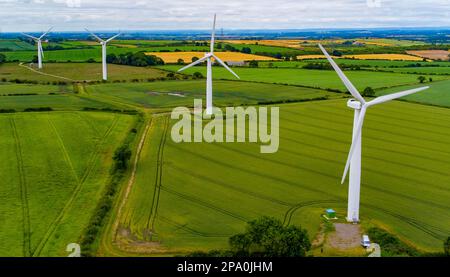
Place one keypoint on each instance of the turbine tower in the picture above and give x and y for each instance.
(38, 41)
(360, 105)
(104, 43)
(208, 58)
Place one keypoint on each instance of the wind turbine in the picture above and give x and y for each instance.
(104, 43)
(38, 40)
(360, 105)
(208, 58)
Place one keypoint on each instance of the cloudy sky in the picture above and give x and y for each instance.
(73, 15)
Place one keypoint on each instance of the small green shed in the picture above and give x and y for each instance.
(330, 213)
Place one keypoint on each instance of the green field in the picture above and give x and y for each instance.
(438, 94)
(52, 177)
(15, 45)
(194, 196)
(78, 72)
(156, 95)
(312, 78)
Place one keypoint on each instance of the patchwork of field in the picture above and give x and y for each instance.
(225, 56)
(15, 45)
(432, 54)
(183, 93)
(312, 78)
(291, 43)
(52, 177)
(197, 205)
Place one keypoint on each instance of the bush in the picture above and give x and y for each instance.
(267, 237)
(42, 109)
(198, 75)
(369, 92)
(121, 158)
(447, 247)
(390, 244)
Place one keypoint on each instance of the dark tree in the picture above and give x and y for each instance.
(447, 247)
(421, 79)
(253, 64)
(198, 75)
(246, 50)
(111, 58)
(2, 58)
(194, 59)
(337, 53)
(267, 237)
(369, 92)
(121, 157)
(180, 61)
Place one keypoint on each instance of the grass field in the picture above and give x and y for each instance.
(225, 56)
(313, 78)
(78, 72)
(183, 93)
(52, 177)
(197, 205)
(15, 45)
(438, 94)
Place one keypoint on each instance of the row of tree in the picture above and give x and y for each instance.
(134, 59)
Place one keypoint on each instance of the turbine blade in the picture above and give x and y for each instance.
(355, 141)
(225, 65)
(194, 63)
(389, 97)
(94, 35)
(351, 88)
(108, 40)
(213, 34)
(30, 36)
(44, 34)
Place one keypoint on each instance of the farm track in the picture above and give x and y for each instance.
(115, 224)
(191, 230)
(158, 178)
(46, 74)
(77, 189)
(290, 212)
(23, 192)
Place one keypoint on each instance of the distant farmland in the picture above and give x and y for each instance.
(432, 54)
(173, 57)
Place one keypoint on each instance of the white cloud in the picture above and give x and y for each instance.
(67, 15)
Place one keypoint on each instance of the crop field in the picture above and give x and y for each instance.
(390, 57)
(52, 177)
(78, 72)
(197, 205)
(291, 43)
(438, 94)
(225, 56)
(432, 54)
(183, 93)
(15, 45)
(311, 78)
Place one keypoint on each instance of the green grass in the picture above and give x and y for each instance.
(53, 177)
(8, 88)
(78, 72)
(156, 95)
(207, 192)
(438, 94)
(361, 63)
(313, 78)
(15, 45)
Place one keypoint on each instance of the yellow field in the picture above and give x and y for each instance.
(172, 57)
(312, 57)
(294, 43)
(391, 57)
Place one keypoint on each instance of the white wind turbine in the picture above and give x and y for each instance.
(354, 157)
(208, 58)
(38, 41)
(103, 43)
